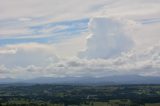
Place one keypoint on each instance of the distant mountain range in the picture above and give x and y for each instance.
(125, 79)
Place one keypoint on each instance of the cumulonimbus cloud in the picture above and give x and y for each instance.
(108, 39)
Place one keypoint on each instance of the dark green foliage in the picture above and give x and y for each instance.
(68, 95)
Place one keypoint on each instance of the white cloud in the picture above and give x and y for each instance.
(115, 25)
(108, 39)
(71, 47)
(146, 63)
(27, 54)
(7, 51)
(39, 8)
(5, 32)
(26, 13)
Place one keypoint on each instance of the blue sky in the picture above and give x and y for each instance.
(59, 31)
(79, 38)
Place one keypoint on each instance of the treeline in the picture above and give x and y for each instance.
(30, 104)
(47, 95)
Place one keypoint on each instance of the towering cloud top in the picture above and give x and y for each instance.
(108, 39)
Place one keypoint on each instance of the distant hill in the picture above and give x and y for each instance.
(125, 79)
(8, 80)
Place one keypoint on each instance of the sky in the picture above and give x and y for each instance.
(79, 38)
